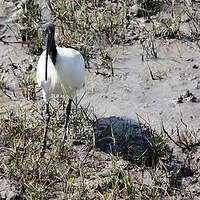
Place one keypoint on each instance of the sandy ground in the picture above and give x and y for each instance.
(132, 91)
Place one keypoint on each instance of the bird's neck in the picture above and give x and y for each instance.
(53, 52)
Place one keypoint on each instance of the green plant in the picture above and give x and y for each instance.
(28, 23)
(27, 85)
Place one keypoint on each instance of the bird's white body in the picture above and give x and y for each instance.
(65, 77)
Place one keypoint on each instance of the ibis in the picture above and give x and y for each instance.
(60, 71)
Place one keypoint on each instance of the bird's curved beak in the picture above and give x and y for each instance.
(47, 41)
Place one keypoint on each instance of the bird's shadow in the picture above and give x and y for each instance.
(138, 143)
(124, 137)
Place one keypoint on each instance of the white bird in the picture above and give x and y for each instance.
(59, 71)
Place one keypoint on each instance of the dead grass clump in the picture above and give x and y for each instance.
(33, 175)
(193, 17)
(90, 164)
(28, 24)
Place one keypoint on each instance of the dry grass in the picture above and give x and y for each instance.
(93, 164)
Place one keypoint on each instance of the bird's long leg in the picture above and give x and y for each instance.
(47, 119)
(68, 110)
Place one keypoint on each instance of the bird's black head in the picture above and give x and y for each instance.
(48, 34)
(49, 41)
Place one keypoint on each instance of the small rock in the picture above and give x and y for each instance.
(194, 99)
(187, 19)
(195, 66)
(29, 68)
(180, 99)
(187, 94)
(190, 59)
(34, 59)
